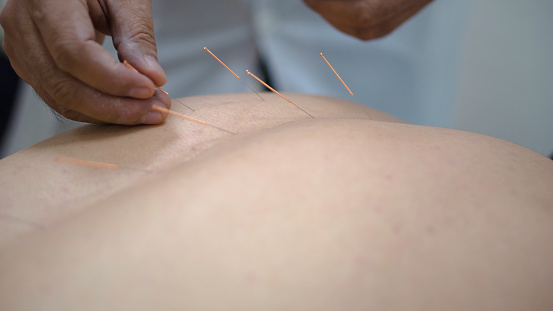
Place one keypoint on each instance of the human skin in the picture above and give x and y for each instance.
(336, 212)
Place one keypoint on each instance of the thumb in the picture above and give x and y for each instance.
(132, 29)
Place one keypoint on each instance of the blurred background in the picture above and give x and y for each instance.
(505, 85)
(490, 72)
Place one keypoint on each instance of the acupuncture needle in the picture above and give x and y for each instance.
(224, 65)
(185, 117)
(344, 83)
(157, 87)
(276, 92)
(96, 164)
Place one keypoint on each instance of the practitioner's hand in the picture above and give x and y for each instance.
(55, 46)
(366, 19)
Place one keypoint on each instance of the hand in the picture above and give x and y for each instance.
(55, 46)
(366, 19)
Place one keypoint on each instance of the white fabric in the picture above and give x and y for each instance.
(410, 74)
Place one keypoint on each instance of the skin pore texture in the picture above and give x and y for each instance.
(350, 210)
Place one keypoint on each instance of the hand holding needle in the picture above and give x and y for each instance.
(55, 46)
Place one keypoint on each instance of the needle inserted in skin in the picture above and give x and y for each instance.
(185, 105)
(276, 92)
(344, 83)
(182, 116)
(220, 61)
(87, 163)
(267, 86)
(157, 87)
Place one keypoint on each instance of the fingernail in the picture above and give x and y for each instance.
(153, 117)
(152, 62)
(140, 92)
(154, 65)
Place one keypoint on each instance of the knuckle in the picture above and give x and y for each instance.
(364, 16)
(61, 92)
(144, 34)
(141, 34)
(369, 23)
(38, 14)
(65, 54)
